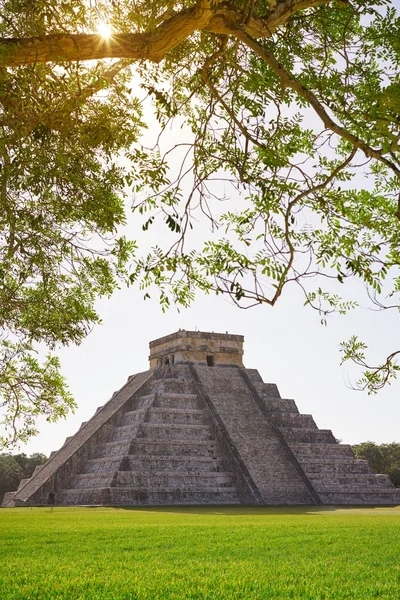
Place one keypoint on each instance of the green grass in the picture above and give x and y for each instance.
(199, 553)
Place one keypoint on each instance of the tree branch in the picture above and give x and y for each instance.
(215, 17)
(78, 47)
(289, 81)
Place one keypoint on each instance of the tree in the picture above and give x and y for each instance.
(383, 458)
(29, 463)
(288, 109)
(17, 467)
(10, 474)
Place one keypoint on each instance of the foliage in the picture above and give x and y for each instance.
(10, 474)
(289, 117)
(374, 378)
(28, 390)
(203, 553)
(62, 201)
(29, 463)
(13, 468)
(383, 458)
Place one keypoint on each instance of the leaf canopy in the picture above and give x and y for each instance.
(282, 167)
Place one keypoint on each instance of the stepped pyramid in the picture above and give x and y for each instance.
(199, 428)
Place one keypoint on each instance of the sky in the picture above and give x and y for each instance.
(287, 344)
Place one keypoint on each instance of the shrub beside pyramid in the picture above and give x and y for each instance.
(199, 428)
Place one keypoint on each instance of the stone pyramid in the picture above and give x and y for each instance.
(199, 428)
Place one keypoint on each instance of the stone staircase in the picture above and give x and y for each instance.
(335, 474)
(162, 451)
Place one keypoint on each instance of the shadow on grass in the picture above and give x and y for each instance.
(227, 510)
(233, 510)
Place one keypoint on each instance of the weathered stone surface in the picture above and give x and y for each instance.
(64, 464)
(202, 429)
(276, 477)
(8, 499)
(196, 347)
(335, 475)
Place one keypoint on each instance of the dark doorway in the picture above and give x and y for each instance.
(51, 500)
(210, 361)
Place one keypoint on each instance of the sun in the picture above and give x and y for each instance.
(104, 29)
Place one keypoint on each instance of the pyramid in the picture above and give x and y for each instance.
(200, 428)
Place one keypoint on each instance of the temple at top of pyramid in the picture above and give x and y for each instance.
(200, 428)
(197, 347)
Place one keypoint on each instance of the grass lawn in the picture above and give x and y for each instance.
(199, 553)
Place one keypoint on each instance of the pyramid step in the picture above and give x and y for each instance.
(158, 480)
(333, 451)
(333, 467)
(302, 435)
(160, 431)
(126, 432)
(93, 480)
(150, 497)
(279, 404)
(294, 420)
(167, 379)
(352, 482)
(172, 480)
(142, 402)
(174, 448)
(187, 464)
(180, 401)
(88, 496)
(114, 448)
(254, 376)
(105, 463)
(267, 389)
(131, 417)
(171, 385)
(144, 497)
(383, 498)
(149, 462)
(177, 416)
(327, 459)
(183, 396)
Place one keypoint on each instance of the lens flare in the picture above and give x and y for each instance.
(104, 29)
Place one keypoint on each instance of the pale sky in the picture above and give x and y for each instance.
(287, 344)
